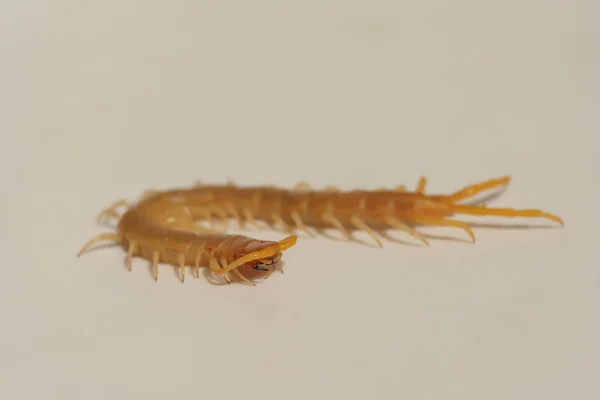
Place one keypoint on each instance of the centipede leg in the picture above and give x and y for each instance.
(421, 185)
(271, 270)
(328, 217)
(283, 225)
(505, 212)
(446, 222)
(250, 218)
(236, 215)
(217, 269)
(302, 186)
(205, 214)
(147, 194)
(220, 212)
(295, 216)
(181, 259)
(115, 237)
(197, 264)
(360, 224)
(239, 274)
(402, 226)
(111, 211)
(155, 260)
(473, 190)
(130, 251)
(331, 188)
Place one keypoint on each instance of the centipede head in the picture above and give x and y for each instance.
(260, 257)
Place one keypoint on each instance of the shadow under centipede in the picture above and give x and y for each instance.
(445, 238)
(488, 198)
(457, 238)
(323, 232)
(481, 225)
(385, 234)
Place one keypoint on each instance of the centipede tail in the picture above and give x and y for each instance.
(505, 212)
(473, 190)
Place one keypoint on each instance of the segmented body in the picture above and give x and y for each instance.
(162, 225)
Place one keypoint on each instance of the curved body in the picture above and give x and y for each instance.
(162, 225)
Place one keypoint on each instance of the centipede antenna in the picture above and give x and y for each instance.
(225, 273)
(288, 242)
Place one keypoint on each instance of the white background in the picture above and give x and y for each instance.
(103, 100)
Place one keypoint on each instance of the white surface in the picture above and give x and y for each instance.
(103, 100)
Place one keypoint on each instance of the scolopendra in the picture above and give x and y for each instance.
(161, 226)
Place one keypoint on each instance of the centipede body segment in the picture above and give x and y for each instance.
(162, 225)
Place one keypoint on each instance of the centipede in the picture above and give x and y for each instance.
(162, 226)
